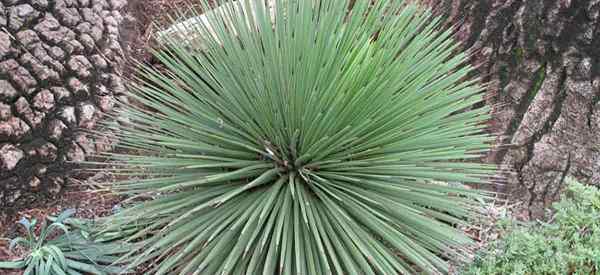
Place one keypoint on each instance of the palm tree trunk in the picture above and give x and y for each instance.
(59, 73)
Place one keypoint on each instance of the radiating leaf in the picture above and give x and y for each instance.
(302, 137)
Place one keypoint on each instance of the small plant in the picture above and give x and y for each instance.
(70, 252)
(568, 244)
(306, 137)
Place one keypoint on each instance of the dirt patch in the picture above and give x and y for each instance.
(143, 19)
(89, 202)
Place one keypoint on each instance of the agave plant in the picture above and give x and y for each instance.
(307, 139)
(70, 253)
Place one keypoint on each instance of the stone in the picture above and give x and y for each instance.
(186, 33)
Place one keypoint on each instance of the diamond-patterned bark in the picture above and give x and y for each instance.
(59, 73)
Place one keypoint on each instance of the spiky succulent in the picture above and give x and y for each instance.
(71, 252)
(304, 137)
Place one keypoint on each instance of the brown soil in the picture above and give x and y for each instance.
(84, 197)
(146, 17)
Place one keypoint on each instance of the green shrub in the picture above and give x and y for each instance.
(71, 252)
(310, 145)
(568, 244)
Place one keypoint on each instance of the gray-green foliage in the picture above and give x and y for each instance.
(72, 252)
(568, 244)
(306, 143)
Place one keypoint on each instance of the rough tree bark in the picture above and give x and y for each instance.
(59, 72)
(543, 60)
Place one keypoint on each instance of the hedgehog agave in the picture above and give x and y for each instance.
(304, 137)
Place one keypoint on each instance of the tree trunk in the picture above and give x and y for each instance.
(542, 58)
(59, 72)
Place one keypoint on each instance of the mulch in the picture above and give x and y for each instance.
(144, 18)
(89, 202)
